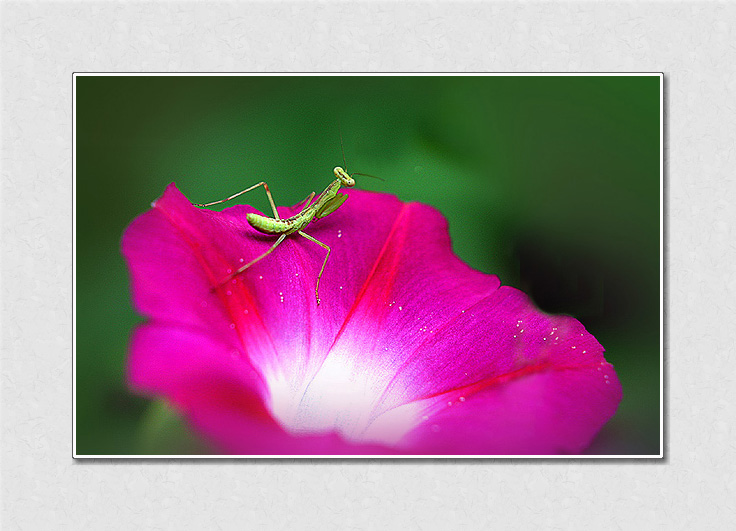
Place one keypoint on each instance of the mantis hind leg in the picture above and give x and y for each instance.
(324, 246)
(262, 183)
(252, 262)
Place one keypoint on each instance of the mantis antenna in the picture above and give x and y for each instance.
(345, 162)
(342, 147)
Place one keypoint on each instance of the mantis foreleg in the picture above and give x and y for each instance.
(305, 202)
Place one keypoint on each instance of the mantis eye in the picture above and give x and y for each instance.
(341, 174)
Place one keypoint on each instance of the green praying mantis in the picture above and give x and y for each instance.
(327, 202)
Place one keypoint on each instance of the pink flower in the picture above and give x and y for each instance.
(410, 351)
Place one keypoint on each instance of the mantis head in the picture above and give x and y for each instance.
(345, 179)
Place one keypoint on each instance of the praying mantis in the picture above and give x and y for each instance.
(327, 202)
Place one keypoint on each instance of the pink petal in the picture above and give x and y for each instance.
(219, 392)
(404, 330)
(185, 364)
(534, 411)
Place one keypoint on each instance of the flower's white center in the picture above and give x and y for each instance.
(341, 397)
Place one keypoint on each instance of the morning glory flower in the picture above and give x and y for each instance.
(410, 351)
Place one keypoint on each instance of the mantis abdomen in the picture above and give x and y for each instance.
(268, 225)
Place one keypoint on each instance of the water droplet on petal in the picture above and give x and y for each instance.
(608, 381)
(232, 326)
(229, 292)
(260, 276)
(449, 403)
(245, 311)
(241, 260)
(462, 399)
(401, 307)
(229, 270)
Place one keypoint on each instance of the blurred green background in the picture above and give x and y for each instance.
(551, 183)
